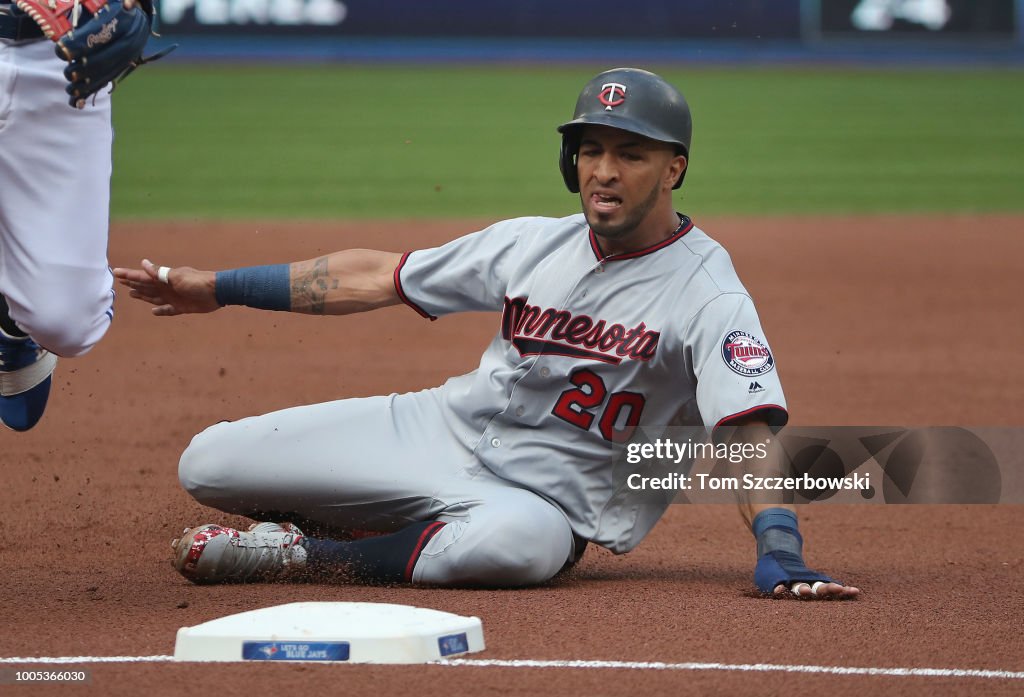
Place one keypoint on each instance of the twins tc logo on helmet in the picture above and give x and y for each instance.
(612, 94)
(746, 355)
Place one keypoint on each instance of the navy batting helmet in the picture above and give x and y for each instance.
(631, 100)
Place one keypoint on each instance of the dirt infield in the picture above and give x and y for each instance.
(909, 321)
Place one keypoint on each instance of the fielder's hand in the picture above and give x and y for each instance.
(179, 291)
(102, 40)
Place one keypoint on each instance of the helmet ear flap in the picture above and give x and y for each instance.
(567, 160)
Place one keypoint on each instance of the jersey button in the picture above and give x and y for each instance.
(520, 411)
(496, 442)
(544, 372)
(599, 269)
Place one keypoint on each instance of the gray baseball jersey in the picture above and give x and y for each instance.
(591, 348)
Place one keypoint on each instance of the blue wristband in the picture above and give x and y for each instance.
(780, 551)
(262, 287)
(774, 518)
(776, 531)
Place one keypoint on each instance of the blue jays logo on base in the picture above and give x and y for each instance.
(745, 354)
(295, 651)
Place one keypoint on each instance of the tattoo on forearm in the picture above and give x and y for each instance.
(311, 285)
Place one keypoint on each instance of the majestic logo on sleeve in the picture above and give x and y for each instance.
(746, 355)
(535, 331)
(612, 94)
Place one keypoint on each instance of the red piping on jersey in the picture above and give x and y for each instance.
(425, 537)
(611, 360)
(748, 412)
(685, 225)
(401, 293)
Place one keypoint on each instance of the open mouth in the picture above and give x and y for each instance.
(605, 202)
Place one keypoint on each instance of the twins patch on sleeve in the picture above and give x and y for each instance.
(746, 355)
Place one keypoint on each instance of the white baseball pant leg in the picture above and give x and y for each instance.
(55, 167)
(382, 463)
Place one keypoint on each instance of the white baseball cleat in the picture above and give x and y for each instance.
(215, 554)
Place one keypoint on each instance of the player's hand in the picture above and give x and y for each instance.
(185, 291)
(818, 591)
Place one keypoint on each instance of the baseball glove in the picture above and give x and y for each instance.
(102, 40)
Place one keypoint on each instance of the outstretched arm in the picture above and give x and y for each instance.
(353, 280)
(780, 565)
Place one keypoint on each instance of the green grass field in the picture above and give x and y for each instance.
(409, 142)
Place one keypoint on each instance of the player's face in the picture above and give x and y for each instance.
(625, 182)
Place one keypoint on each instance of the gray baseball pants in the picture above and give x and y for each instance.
(379, 464)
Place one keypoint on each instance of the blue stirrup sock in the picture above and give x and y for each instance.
(780, 551)
(382, 559)
(261, 287)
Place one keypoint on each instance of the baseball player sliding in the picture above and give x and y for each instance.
(626, 317)
(56, 291)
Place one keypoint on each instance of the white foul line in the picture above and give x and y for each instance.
(50, 660)
(627, 665)
(747, 668)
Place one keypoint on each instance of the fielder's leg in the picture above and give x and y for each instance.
(54, 206)
(55, 164)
